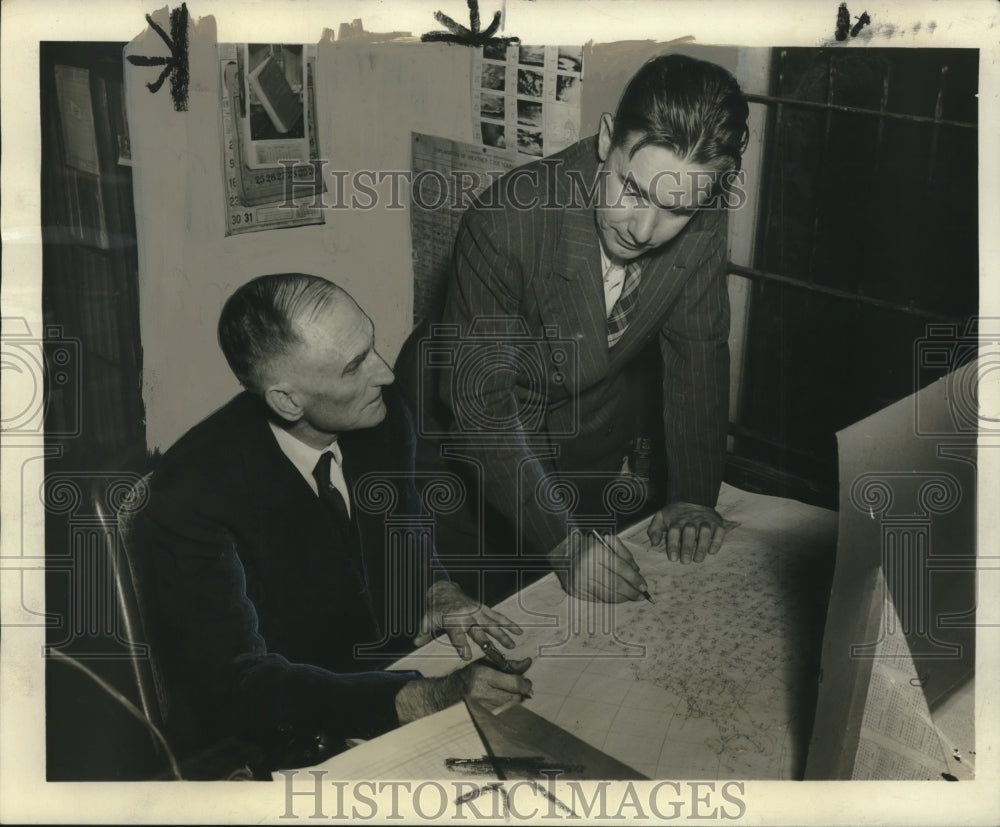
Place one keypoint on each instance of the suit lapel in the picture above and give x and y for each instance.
(276, 487)
(365, 452)
(570, 292)
(572, 299)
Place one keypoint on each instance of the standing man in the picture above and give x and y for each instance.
(563, 271)
(268, 570)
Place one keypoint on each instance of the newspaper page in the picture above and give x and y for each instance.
(898, 738)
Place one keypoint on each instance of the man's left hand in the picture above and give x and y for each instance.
(462, 618)
(691, 531)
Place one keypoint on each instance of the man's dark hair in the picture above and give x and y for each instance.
(259, 321)
(691, 107)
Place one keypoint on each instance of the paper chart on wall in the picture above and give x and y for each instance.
(447, 175)
(527, 98)
(714, 680)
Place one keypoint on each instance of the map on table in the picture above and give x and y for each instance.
(717, 678)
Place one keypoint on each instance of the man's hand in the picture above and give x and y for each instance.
(692, 531)
(592, 569)
(462, 618)
(491, 687)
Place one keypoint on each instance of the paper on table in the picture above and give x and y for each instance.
(906, 561)
(713, 681)
(419, 749)
(898, 738)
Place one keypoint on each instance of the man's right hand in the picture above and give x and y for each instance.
(489, 686)
(594, 570)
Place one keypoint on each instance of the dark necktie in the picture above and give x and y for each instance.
(334, 501)
(621, 313)
(327, 492)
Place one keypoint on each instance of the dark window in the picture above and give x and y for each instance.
(867, 233)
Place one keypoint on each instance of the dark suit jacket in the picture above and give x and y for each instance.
(259, 610)
(528, 248)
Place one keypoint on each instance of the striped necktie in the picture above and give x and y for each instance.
(620, 315)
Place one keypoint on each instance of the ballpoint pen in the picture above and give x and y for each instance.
(504, 664)
(607, 545)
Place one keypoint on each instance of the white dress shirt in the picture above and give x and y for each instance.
(614, 280)
(304, 457)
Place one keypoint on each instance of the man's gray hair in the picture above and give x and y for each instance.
(260, 320)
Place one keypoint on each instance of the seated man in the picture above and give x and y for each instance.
(268, 571)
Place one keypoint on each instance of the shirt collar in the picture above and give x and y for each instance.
(605, 261)
(304, 457)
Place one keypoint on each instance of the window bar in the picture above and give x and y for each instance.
(812, 490)
(824, 153)
(936, 129)
(883, 103)
(854, 110)
(772, 164)
(738, 430)
(768, 207)
(857, 298)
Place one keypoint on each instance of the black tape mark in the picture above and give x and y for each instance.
(471, 36)
(527, 765)
(844, 27)
(498, 786)
(176, 66)
(947, 776)
(465, 798)
(552, 798)
(843, 22)
(472, 766)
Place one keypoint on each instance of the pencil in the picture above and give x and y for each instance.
(605, 543)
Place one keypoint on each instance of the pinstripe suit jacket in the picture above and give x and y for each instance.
(528, 250)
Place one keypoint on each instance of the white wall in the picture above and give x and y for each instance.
(369, 100)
